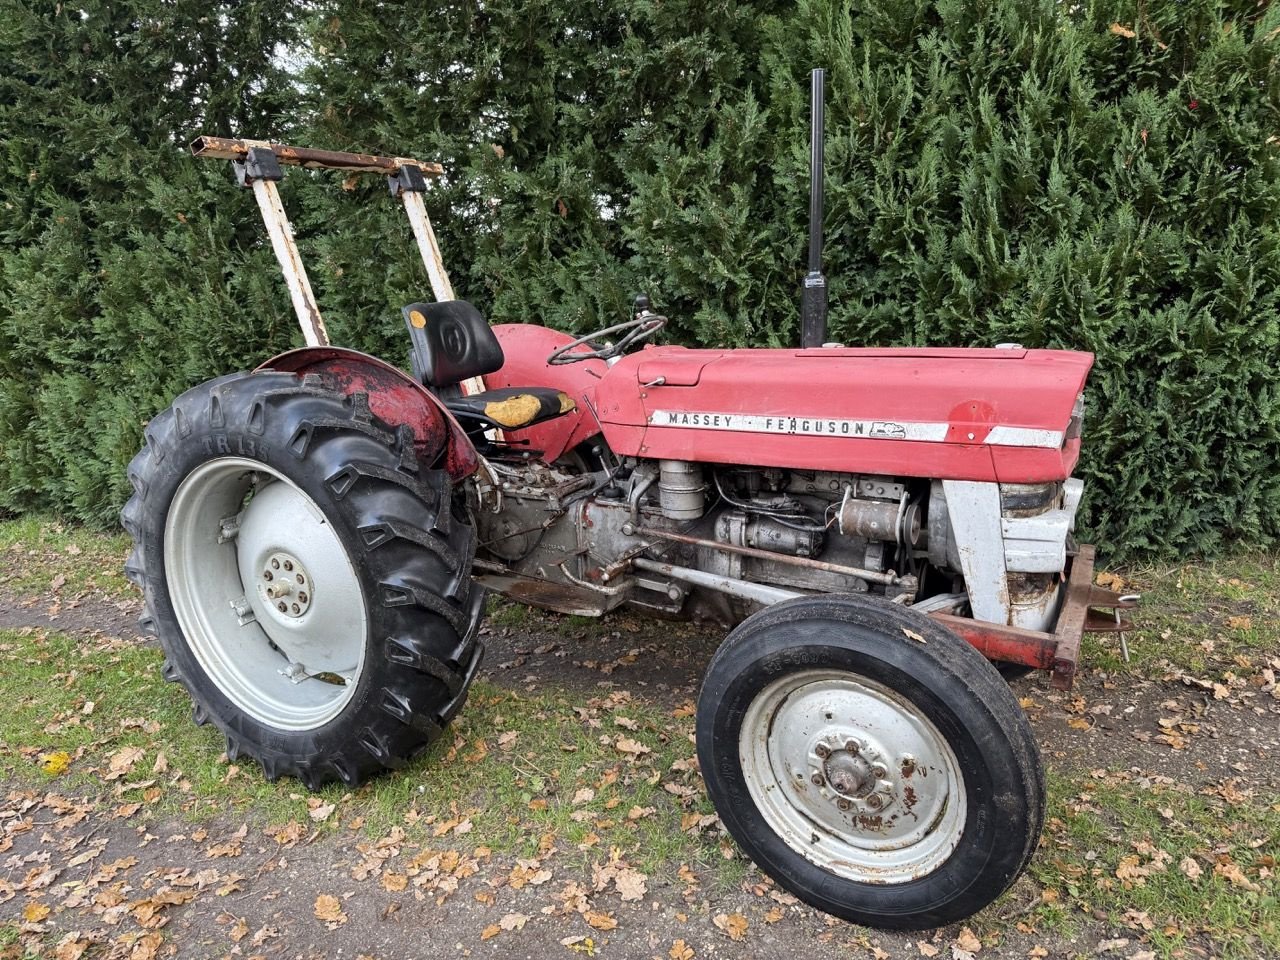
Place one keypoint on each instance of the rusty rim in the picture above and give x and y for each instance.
(264, 591)
(852, 777)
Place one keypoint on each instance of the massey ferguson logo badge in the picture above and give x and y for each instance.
(805, 426)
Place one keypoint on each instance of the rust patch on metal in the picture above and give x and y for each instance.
(393, 397)
(229, 148)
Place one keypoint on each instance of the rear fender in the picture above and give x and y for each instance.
(394, 397)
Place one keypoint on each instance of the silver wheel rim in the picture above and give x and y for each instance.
(852, 777)
(265, 593)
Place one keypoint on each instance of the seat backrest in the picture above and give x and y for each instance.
(451, 342)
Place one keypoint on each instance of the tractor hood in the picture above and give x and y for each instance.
(1007, 415)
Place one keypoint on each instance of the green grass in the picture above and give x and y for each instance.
(1142, 850)
(1197, 618)
(40, 556)
(514, 793)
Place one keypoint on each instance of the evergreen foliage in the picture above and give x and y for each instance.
(1103, 176)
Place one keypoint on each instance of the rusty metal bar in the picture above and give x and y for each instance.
(295, 274)
(227, 148)
(873, 575)
(1030, 648)
(1075, 610)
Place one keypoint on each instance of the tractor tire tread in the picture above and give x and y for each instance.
(424, 555)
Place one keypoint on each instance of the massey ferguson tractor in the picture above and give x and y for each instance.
(886, 530)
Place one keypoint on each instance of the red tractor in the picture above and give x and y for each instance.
(885, 529)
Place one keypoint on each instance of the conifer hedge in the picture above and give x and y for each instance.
(1103, 176)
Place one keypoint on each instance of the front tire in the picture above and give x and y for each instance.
(870, 761)
(308, 578)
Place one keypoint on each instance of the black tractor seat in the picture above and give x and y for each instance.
(513, 407)
(452, 342)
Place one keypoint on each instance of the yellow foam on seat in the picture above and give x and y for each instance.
(513, 412)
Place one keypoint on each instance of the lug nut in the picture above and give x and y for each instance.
(843, 804)
(266, 574)
(301, 580)
(295, 608)
(288, 564)
(281, 607)
(817, 780)
(875, 801)
(821, 750)
(275, 564)
(853, 747)
(879, 770)
(302, 598)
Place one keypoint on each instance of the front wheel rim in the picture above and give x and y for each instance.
(265, 594)
(852, 777)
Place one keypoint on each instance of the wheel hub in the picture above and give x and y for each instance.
(286, 585)
(852, 776)
(850, 773)
(849, 776)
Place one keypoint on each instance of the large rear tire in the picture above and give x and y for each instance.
(308, 579)
(870, 761)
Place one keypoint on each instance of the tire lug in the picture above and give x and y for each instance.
(822, 751)
(275, 564)
(288, 564)
(266, 575)
(843, 804)
(853, 747)
(281, 606)
(817, 780)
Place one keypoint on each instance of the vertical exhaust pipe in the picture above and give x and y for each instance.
(813, 296)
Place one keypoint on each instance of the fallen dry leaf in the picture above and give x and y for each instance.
(680, 951)
(146, 947)
(1107, 579)
(319, 811)
(600, 920)
(514, 921)
(34, 912)
(632, 747)
(55, 764)
(394, 882)
(71, 947)
(329, 909)
(734, 924)
(966, 941)
(121, 762)
(489, 932)
(630, 883)
(1232, 873)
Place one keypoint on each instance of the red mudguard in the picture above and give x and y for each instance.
(394, 397)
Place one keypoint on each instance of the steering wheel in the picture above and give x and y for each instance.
(641, 328)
